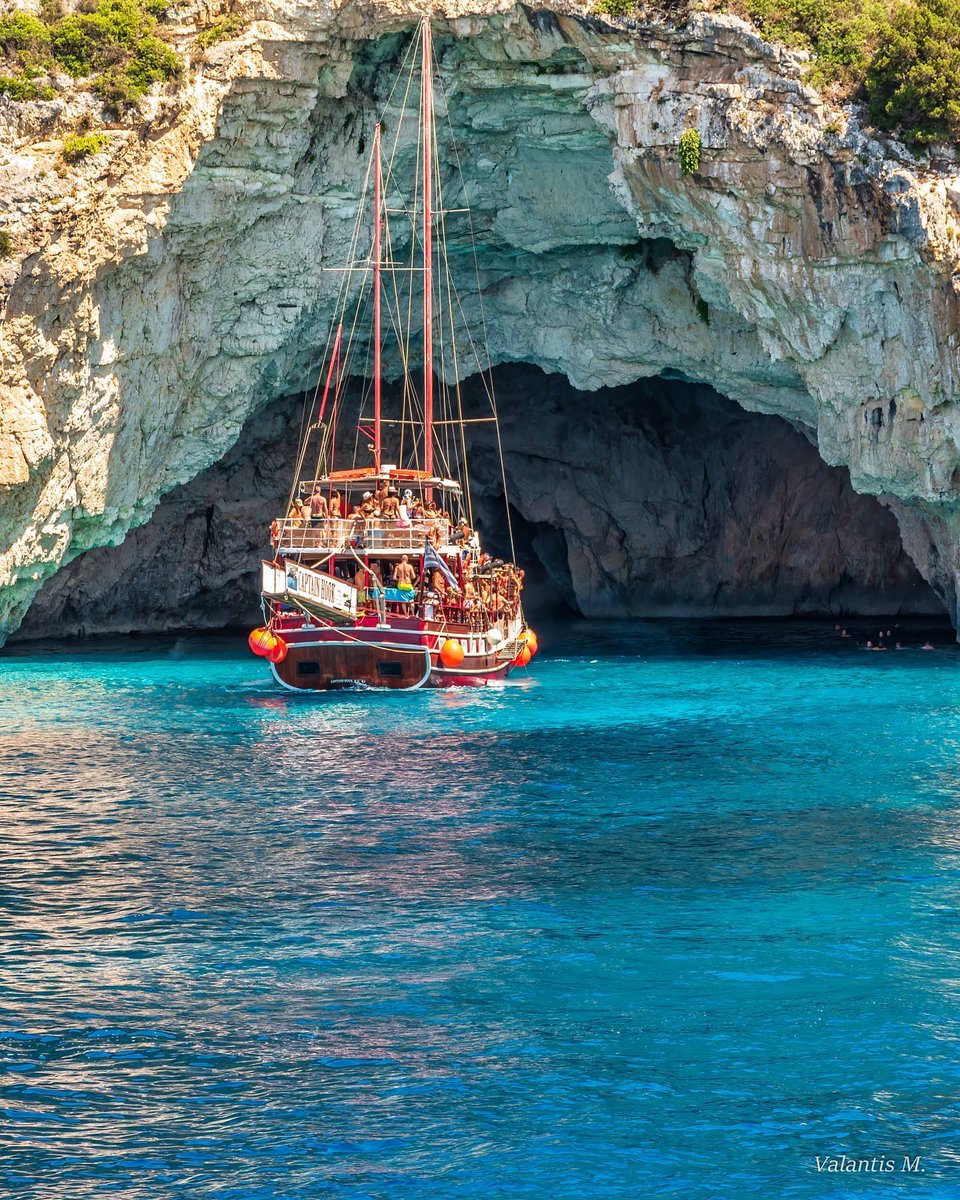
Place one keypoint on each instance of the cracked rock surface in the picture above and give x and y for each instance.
(164, 291)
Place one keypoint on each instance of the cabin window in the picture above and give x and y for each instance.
(391, 669)
(308, 668)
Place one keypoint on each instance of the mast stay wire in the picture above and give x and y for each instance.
(486, 373)
(306, 426)
(339, 310)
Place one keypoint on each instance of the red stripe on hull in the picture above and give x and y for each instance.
(403, 656)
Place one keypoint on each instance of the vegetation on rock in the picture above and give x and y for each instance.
(19, 87)
(222, 29)
(81, 145)
(689, 151)
(616, 8)
(6, 244)
(112, 44)
(901, 56)
(913, 81)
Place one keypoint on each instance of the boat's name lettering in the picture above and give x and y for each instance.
(325, 590)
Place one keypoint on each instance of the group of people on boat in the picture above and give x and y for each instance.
(384, 505)
(384, 517)
(460, 583)
(483, 589)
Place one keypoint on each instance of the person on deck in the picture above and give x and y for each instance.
(335, 509)
(390, 505)
(404, 577)
(318, 506)
(360, 583)
(404, 509)
(359, 527)
(371, 511)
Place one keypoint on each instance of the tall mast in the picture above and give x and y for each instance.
(427, 99)
(377, 221)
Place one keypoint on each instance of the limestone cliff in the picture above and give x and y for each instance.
(171, 286)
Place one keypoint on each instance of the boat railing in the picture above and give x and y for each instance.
(294, 535)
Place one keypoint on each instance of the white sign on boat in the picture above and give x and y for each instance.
(321, 591)
(273, 579)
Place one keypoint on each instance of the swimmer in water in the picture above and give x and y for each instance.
(926, 646)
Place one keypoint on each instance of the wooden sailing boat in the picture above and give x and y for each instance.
(378, 578)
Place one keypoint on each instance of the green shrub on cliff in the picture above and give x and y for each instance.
(615, 8)
(227, 26)
(913, 81)
(84, 43)
(903, 56)
(24, 39)
(842, 34)
(113, 44)
(689, 150)
(18, 87)
(6, 244)
(79, 146)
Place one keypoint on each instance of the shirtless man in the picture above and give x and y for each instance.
(318, 506)
(404, 575)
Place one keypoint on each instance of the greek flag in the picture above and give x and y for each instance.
(433, 562)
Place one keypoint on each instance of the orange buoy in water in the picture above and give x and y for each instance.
(451, 653)
(262, 641)
(278, 651)
(530, 638)
(523, 656)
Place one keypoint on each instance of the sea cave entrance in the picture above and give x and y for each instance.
(657, 499)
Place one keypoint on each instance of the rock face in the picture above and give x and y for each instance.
(652, 499)
(172, 286)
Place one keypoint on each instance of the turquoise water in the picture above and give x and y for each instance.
(672, 915)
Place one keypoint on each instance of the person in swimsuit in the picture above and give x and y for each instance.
(404, 577)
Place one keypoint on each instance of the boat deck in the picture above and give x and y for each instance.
(328, 535)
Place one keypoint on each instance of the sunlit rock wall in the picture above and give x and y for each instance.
(170, 287)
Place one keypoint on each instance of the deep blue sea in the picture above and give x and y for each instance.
(673, 914)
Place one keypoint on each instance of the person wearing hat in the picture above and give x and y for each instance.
(390, 505)
(404, 516)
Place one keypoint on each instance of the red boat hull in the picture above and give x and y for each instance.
(404, 655)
